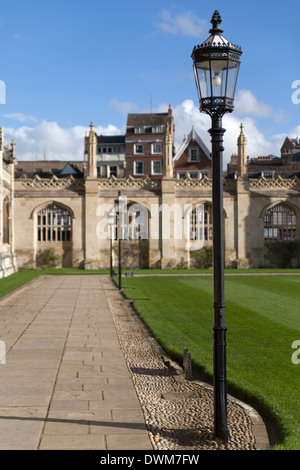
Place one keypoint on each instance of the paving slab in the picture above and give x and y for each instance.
(65, 384)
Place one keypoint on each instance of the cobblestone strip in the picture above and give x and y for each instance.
(178, 413)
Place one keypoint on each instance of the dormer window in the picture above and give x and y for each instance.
(157, 129)
(139, 130)
(193, 154)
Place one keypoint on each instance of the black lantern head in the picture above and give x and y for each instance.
(216, 65)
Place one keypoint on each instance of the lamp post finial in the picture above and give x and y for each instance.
(216, 21)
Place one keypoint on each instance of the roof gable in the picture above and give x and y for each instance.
(68, 170)
(192, 136)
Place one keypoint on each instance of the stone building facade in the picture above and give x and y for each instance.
(7, 161)
(167, 213)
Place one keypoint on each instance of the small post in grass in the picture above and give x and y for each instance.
(187, 364)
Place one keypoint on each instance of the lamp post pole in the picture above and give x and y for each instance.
(120, 257)
(219, 328)
(119, 214)
(111, 221)
(216, 65)
(111, 258)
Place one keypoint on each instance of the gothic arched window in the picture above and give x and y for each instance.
(137, 223)
(280, 223)
(54, 224)
(6, 217)
(200, 227)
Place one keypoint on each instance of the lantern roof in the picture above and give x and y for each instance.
(216, 39)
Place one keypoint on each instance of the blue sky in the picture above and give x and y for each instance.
(66, 63)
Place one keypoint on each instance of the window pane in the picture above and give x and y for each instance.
(156, 167)
(51, 221)
(139, 168)
(156, 148)
(200, 226)
(194, 155)
(139, 148)
(280, 224)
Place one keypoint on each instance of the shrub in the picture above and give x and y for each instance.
(182, 264)
(135, 254)
(202, 258)
(281, 253)
(47, 258)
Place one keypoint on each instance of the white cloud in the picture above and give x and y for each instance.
(52, 141)
(57, 143)
(187, 115)
(123, 107)
(295, 132)
(257, 143)
(185, 24)
(247, 103)
(20, 117)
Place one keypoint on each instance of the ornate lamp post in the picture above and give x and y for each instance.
(111, 224)
(120, 212)
(216, 65)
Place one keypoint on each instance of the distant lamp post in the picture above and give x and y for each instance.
(111, 224)
(120, 212)
(216, 65)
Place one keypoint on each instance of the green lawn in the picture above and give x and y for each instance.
(263, 320)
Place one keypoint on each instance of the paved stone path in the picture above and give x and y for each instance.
(65, 383)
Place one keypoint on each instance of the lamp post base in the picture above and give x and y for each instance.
(220, 385)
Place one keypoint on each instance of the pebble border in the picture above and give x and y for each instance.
(178, 413)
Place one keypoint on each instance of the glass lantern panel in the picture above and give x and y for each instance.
(216, 78)
(202, 75)
(219, 83)
(233, 69)
(224, 82)
(219, 75)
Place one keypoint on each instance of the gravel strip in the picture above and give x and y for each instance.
(178, 413)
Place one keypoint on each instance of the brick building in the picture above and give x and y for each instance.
(192, 159)
(149, 142)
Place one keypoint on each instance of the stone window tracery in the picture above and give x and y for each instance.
(280, 224)
(201, 224)
(54, 224)
(6, 217)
